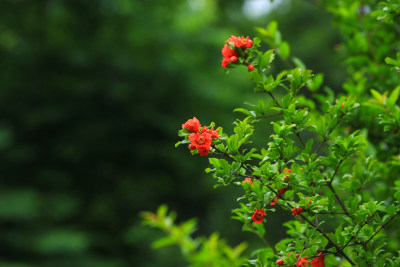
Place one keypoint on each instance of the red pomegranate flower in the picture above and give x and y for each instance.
(227, 52)
(230, 55)
(258, 216)
(193, 125)
(202, 141)
(318, 261)
(287, 171)
(240, 41)
(297, 211)
(282, 191)
(302, 262)
(280, 262)
(214, 133)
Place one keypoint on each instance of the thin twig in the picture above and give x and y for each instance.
(325, 138)
(273, 98)
(382, 226)
(329, 184)
(267, 116)
(260, 236)
(359, 230)
(337, 169)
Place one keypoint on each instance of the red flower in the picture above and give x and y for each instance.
(240, 41)
(282, 191)
(191, 146)
(214, 134)
(318, 261)
(227, 52)
(250, 67)
(280, 262)
(302, 262)
(193, 125)
(342, 105)
(297, 211)
(202, 141)
(225, 62)
(230, 55)
(248, 180)
(258, 216)
(309, 202)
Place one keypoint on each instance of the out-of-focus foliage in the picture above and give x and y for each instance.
(91, 94)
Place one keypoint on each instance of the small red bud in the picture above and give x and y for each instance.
(250, 67)
(280, 262)
(234, 58)
(342, 105)
(191, 146)
(395, 131)
(248, 180)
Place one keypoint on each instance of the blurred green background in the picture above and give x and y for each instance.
(92, 94)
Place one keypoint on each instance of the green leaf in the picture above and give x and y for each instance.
(391, 61)
(162, 242)
(242, 110)
(394, 95)
(299, 63)
(284, 50)
(316, 82)
(309, 145)
(377, 96)
(267, 58)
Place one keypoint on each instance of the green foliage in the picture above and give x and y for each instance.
(322, 164)
(200, 251)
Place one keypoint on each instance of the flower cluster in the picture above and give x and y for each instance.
(230, 55)
(200, 139)
(302, 262)
(231, 50)
(240, 41)
(297, 211)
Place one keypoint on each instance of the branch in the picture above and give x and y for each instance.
(329, 184)
(273, 98)
(359, 230)
(340, 251)
(260, 236)
(301, 215)
(382, 226)
(267, 116)
(277, 103)
(325, 138)
(337, 169)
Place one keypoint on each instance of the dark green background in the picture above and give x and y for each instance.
(92, 94)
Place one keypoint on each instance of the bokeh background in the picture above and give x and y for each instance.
(92, 94)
